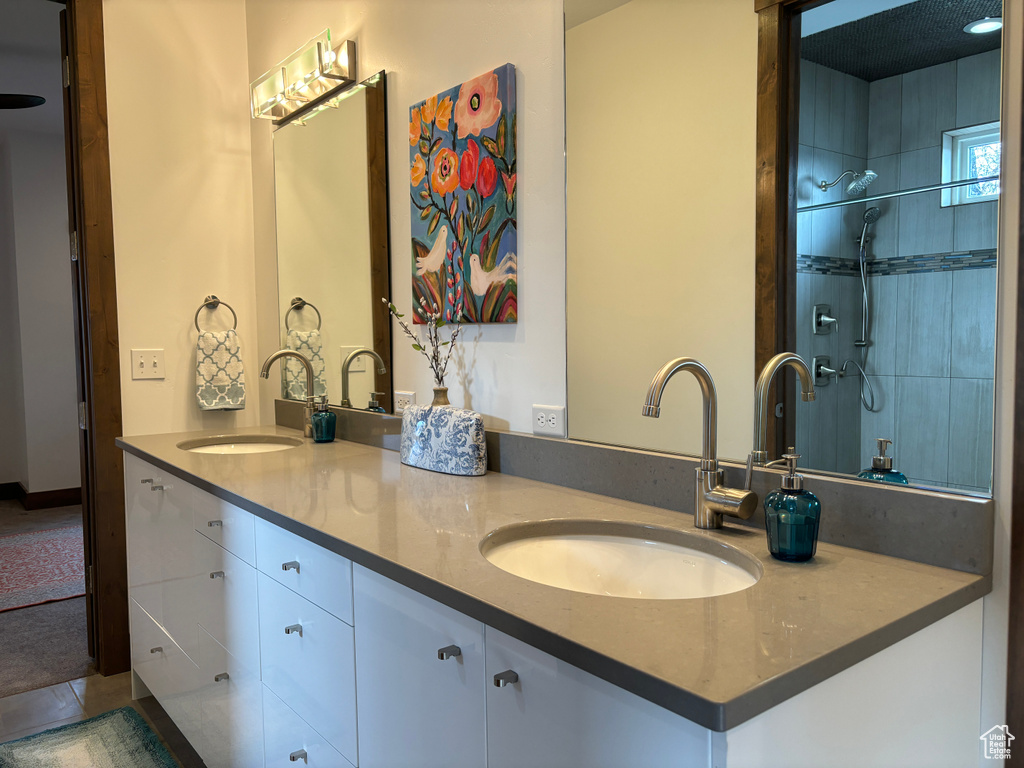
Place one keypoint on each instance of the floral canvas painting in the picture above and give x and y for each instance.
(462, 154)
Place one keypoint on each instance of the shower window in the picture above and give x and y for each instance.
(970, 153)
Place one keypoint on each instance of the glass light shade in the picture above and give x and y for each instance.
(309, 73)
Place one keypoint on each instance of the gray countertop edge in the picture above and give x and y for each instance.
(714, 715)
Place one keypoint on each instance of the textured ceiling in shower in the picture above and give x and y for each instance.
(903, 39)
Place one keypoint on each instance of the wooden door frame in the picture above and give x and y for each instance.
(96, 324)
(778, 89)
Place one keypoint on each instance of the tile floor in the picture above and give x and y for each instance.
(25, 714)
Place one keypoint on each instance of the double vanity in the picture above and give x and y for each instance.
(323, 604)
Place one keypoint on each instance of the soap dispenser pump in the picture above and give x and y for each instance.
(881, 466)
(324, 422)
(374, 404)
(791, 516)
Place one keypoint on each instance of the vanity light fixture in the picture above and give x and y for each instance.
(981, 26)
(304, 80)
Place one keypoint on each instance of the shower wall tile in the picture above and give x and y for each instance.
(827, 165)
(923, 316)
(848, 411)
(826, 226)
(977, 89)
(829, 110)
(973, 324)
(928, 106)
(881, 354)
(811, 290)
(970, 432)
(849, 308)
(820, 446)
(924, 226)
(884, 233)
(921, 447)
(884, 116)
(881, 422)
(808, 73)
(806, 183)
(855, 126)
(975, 226)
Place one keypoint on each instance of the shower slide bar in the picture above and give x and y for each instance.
(901, 193)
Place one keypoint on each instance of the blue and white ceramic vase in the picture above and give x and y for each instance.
(444, 439)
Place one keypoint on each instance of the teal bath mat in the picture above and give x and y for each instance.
(116, 739)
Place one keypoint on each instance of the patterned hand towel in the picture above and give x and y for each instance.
(220, 379)
(310, 345)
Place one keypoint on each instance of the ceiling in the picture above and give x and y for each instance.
(912, 36)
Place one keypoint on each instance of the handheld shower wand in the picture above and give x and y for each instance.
(870, 217)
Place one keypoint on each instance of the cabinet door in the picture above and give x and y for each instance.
(416, 709)
(226, 524)
(306, 658)
(232, 709)
(288, 739)
(225, 600)
(559, 715)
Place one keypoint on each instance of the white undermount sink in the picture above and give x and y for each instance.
(237, 444)
(618, 559)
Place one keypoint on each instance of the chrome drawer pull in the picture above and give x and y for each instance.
(216, 574)
(291, 565)
(158, 649)
(505, 678)
(293, 629)
(146, 480)
(215, 524)
(159, 487)
(221, 676)
(449, 651)
(298, 754)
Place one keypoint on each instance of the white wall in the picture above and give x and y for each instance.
(502, 370)
(181, 186)
(660, 219)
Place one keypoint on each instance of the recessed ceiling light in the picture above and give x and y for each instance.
(981, 26)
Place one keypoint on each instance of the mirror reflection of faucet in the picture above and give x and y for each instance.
(713, 500)
(345, 366)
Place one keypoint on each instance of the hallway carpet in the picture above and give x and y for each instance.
(43, 645)
(40, 567)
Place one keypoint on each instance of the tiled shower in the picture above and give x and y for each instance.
(931, 274)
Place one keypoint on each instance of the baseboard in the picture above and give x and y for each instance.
(62, 497)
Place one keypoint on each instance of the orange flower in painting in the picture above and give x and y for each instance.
(419, 170)
(478, 106)
(444, 113)
(414, 127)
(444, 178)
(427, 110)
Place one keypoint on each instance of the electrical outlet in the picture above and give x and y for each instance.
(549, 420)
(147, 364)
(403, 400)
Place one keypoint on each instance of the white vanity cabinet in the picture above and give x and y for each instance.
(420, 675)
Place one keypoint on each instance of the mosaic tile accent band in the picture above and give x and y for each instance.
(936, 262)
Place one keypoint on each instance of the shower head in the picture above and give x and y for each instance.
(860, 182)
(871, 215)
(857, 184)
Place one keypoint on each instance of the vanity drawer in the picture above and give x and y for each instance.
(232, 708)
(226, 524)
(312, 666)
(317, 574)
(168, 673)
(225, 600)
(285, 734)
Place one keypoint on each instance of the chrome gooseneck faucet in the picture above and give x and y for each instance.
(712, 498)
(759, 455)
(307, 422)
(381, 368)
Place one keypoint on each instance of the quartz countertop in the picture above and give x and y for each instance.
(717, 661)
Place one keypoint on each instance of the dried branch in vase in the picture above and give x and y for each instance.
(433, 348)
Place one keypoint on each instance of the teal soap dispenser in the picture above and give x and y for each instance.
(881, 466)
(791, 517)
(324, 422)
(374, 404)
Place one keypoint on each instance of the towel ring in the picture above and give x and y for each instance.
(300, 303)
(211, 302)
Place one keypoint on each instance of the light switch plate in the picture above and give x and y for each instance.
(147, 364)
(359, 364)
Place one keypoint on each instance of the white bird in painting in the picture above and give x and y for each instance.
(480, 280)
(432, 260)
